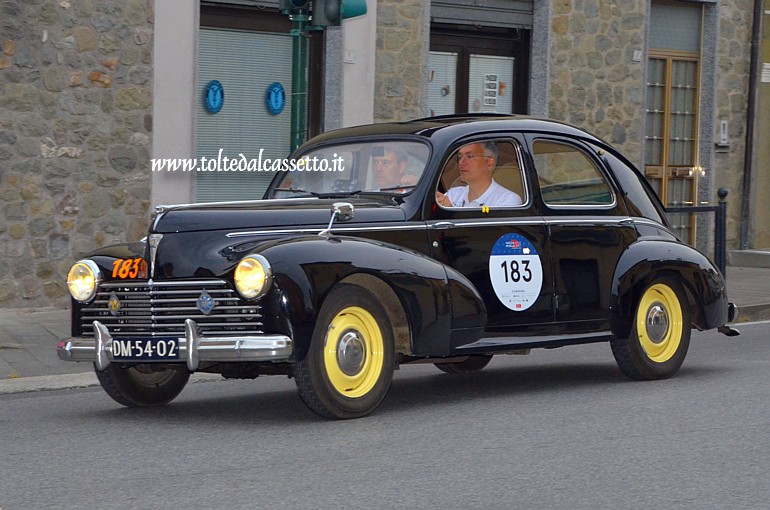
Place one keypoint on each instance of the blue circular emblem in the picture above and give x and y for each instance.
(214, 96)
(275, 98)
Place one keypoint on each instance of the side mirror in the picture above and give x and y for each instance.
(342, 211)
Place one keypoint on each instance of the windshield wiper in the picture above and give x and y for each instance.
(332, 194)
(298, 190)
(391, 188)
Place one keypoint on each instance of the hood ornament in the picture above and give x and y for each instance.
(342, 211)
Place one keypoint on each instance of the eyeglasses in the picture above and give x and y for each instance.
(470, 157)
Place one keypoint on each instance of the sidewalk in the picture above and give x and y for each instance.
(28, 337)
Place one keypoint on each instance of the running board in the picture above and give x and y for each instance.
(492, 344)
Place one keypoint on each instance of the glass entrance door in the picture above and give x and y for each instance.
(671, 138)
(478, 71)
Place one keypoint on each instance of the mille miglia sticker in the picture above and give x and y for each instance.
(516, 272)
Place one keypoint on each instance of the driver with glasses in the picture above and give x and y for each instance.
(476, 162)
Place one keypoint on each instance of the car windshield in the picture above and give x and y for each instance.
(388, 167)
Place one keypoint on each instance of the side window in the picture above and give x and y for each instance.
(483, 174)
(568, 177)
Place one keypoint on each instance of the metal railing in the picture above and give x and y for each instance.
(720, 223)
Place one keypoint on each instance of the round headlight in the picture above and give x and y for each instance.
(252, 276)
(83, 279)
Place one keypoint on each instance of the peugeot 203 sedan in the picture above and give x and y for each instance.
(445, 240)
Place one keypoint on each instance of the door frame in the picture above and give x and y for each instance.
(495, 41)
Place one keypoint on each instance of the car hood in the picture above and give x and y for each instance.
(271, 214)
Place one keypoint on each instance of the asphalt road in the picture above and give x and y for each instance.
(555, 429)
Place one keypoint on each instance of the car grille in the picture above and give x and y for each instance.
(160, 309)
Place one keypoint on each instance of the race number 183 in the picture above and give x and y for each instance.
(513, 271)
(516, 272)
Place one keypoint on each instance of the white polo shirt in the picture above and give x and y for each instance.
(494, 196)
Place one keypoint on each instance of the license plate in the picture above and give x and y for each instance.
(132, 349)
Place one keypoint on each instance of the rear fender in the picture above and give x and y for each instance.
(435, 298)
(647, 260)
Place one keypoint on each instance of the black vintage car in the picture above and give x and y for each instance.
(444, 240)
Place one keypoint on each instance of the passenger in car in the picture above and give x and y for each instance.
(476, 162)
(389, 164)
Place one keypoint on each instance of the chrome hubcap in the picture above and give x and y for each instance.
(351, 353)
(657, 323)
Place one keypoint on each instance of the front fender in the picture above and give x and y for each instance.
(647, 260)
(104, 258)
(435, 298)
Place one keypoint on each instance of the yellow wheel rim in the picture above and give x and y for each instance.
(659, 323)
(353, 352)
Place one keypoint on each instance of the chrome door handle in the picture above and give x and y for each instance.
(442, 225)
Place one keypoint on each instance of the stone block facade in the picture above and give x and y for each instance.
(595, 82)
(731, 97)
(401, 60)
(75, 133)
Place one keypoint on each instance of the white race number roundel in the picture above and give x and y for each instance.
(516, 272)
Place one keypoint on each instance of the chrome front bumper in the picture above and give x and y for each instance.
(193, 348)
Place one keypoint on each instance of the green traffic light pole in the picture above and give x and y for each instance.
(327, 13)
(298, 79)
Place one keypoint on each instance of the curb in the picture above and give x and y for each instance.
(71, 381)
(753, 313)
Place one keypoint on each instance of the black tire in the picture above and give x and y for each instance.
(351, 382)
(660, 336)
(472, 364)
(142, 385)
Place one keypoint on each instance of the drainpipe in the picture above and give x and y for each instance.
(756, 30)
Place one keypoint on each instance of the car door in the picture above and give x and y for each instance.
(587, 228)
(502, 250)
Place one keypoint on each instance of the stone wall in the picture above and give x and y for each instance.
(732, 86)
(401, 59)
(595, 83)
(761, 206)
(75, 122)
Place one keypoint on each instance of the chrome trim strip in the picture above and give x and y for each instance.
(647, 221)
(502, 342)
(155, 283)
(140, 321)
(598, 207)
(316, 231)
(470, 222)
(313, 231)
(204, 205)
(201, 348)
(145, 310)
(592, 220)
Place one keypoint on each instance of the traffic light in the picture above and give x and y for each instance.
(328, 13)
(289, 6)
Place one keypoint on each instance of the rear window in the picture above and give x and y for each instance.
(568, 176)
